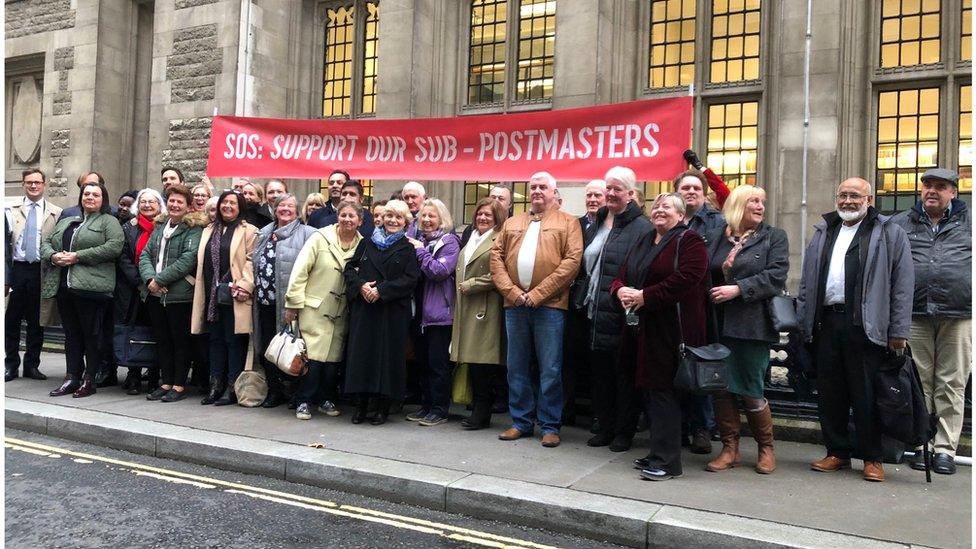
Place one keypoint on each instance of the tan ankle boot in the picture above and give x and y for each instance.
(727, 418)
(761, 425)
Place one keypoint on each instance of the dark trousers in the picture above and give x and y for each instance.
(228, 350)
(698, 413)
(319, 384)
(847, 363)
(614, 396)
(664, 425)
(24, 304)
(482, 378)
(171, 327)
(416, 365)
(108, 364)
(576, 364)
(83, 320)
(268, 326)
(435, 383)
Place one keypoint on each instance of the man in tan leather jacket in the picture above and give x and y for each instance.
(533, 262)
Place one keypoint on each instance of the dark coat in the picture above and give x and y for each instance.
(628, 228)
(654, 345)
(760, 270)
(943, 261)
(705, 221)
(376, 352)
(128, 281)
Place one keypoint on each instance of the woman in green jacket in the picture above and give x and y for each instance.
(166, 266)
(83, 250)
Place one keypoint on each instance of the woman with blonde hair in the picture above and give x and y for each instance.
(748, 262)
(313, 201)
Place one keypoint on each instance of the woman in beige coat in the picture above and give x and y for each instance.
(479, 321)
(317, 298)
(224, 271)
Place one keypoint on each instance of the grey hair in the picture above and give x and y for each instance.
(676, 200)
(280, 199)
(447, 222)
(549, 179)
(134, 208)
(413, 185)
(625, 176)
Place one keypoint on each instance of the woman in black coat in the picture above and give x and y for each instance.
(380, 280)
(748, 263)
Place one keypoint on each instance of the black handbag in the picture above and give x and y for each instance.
(134, 346)
(224, 296)
(700, 369)
(782, 311)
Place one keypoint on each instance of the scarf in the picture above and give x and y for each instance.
(384, 240)
(737, 243)
(147, 227)
(215, 246)
(168, 229)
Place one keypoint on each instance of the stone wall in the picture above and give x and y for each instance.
(194, 64)
(35, 16)
(188, 147)
(60, 148)
(64, 60)
(183, 4)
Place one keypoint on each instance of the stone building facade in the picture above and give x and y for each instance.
(127, 86)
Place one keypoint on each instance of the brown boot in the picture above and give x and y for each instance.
(761, 425)
(727, 418)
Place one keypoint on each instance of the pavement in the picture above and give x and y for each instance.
(572, 489)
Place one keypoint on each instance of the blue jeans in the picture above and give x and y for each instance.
(535, 395)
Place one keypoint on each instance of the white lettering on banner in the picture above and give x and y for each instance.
(385, 148)
(618, 141)
(293, 147)
(437, 148)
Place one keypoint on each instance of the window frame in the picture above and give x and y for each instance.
(358, 58)
(508, 103)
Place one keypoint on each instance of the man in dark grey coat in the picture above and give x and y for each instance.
(940, 232)
(854, 304)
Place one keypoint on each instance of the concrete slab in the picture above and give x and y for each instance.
(612, 519)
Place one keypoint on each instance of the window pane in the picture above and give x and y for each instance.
(336, 94)
(370, 43)
(908, 127)
(736, 59)
(732, 141)
(965, 139)
(674, 32)
(537, 24)
(966, 45)
(486, 55)
(910, 32)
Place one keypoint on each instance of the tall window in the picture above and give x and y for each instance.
(672, 59)
(732, 141)
(476, 190)
(908, 144)
(966, 139)
(351, 40)
(909, 32)
(505, 66)
(966, 40)
(735, 40)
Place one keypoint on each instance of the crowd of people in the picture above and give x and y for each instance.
(394, 302)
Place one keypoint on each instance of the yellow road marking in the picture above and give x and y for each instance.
(399, 521)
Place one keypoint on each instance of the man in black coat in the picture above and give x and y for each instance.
(319, 217)
(351, 191)
(607, 242)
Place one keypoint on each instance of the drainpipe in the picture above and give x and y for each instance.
(806, 130)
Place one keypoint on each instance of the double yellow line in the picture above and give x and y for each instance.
(359, 513)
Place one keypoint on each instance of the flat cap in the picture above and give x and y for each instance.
(942, 173)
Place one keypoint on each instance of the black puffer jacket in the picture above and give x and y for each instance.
(604, 328)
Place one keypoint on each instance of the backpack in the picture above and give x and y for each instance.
(900, 404)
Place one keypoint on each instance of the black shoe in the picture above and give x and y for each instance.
(9, 374)
(273, 400)
(158, 394)
(359, 416)
(132, 383)
(216, 389)
(917, 461)
(106, 379)
(595, 427)
(944, 464)
(227, 398)
(701, 442)
(642, 463)
(68, 387)
(173, 396)
(656, 474)
(34, 373)
(621, 443)
(599, 440)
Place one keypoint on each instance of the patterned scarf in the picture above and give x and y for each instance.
(737, 243)
(384, 240)
(215, 269)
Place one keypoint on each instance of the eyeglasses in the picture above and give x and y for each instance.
(853, 197)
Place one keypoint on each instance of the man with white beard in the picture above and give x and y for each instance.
(854, 304)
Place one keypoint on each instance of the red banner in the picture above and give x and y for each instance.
(572, 144)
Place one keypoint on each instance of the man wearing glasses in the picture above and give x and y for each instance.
(854, 304)
(30, 222)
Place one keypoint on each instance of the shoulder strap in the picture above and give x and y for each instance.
(677, 248)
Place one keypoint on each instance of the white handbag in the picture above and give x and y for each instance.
(287, 352)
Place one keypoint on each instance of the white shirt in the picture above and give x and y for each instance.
(526, 255)
(474, 241)
(834, 292)
(20, 254)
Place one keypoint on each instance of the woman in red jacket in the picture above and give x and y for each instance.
(666, 270)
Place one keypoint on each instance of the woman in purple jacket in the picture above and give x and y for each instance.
(437, 253)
